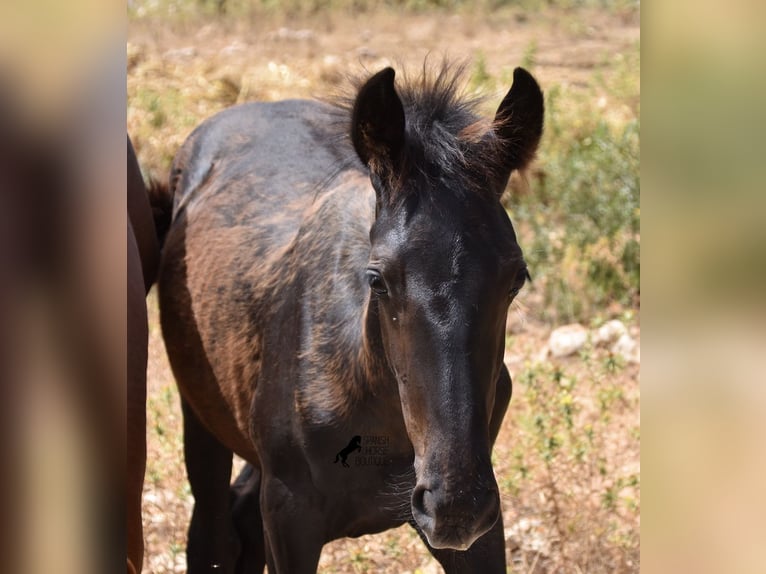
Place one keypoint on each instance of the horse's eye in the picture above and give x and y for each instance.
(522, 276)
(376, 282)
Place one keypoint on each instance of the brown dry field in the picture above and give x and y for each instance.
(198, 67)
(555, 513)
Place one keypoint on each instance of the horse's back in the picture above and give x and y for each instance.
(258, 165)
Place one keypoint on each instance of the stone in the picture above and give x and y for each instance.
(627, 347)
(609, 332)
(567, 340)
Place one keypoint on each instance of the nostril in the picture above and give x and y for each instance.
(423, 509)
(424, 503)
(418, 494)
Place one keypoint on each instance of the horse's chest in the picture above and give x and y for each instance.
(364, 475)
(371, 492)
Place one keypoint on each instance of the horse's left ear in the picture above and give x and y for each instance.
(519, 121)
(377, 123)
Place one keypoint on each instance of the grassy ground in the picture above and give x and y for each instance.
(567, 459)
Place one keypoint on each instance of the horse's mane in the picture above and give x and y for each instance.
(444, 130)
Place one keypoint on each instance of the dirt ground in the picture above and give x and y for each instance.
(199, 68)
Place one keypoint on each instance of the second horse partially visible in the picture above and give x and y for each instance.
(319, 285)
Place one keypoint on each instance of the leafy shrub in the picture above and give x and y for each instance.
(580, 219)
(564, 470)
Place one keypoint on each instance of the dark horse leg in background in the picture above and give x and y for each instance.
(212, 543)
(143, 260)
(246, 514)
(293, 526)
(137, 337)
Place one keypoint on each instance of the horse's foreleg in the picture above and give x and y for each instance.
(486, 555)
(293, 528)
(246, 514)
(212, 542)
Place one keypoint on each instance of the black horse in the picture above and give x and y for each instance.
(319, 283)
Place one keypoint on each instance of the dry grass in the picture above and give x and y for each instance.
(181, 72)
(567, 459)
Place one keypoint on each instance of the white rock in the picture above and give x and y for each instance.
(542, 356)
(567, 340)
(627, 347)
(609, 332)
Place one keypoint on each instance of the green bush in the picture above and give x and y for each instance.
(587, 493)
(580, 220)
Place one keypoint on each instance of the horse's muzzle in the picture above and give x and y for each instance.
(454, 520)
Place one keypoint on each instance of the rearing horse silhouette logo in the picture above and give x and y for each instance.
(354, 444)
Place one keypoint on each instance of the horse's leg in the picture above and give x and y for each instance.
(137, 340)
(292, 527)
(246, 514)
(212, 545)
(486, 555)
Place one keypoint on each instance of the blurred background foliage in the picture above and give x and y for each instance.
(196, 8)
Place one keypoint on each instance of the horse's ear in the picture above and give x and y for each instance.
(519, 121)
(377, 123)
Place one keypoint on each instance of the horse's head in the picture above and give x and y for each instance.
(444, 266)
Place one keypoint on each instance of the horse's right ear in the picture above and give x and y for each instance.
(519, 120)
(377, 123)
